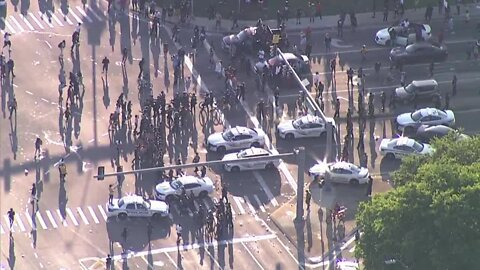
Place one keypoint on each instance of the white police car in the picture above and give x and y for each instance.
(136, 206)
(236, 138)
(403, 146)
(254, 165)
(340, 172)
(303, 127)
(200, 186)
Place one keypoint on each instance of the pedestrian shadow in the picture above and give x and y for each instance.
(64, 9)
(134, 27)
(125, 89)
(221, 254)
(106, 96)
(309, 232)
(62, 200)
(11, 253)
(13, 136)
(16, 2)
(166, 78)
(150, 257)
(155, 49)
(34, 232)
(112, 21)
(24, 6)
(179, 259)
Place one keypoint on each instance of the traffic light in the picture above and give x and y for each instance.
(100, 173)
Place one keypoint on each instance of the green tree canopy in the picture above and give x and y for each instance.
(431, 220)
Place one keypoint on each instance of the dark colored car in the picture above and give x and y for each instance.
(426, 133)
(422, 52)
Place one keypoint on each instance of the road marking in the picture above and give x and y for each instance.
(239, 204)
(2, 231)
(52, 220)
(20, 223)
(259, 203)
(92, 213)
(253, 257)
(17, 24)
(40, 219)
(290, 253)
(250, 206)
(63, 219)
(102, 211)
(72, 217)
(45, 21)
(24, 19)
(95, 14)
(213, 258)
(33, 224)
(84, 14)
(352, 249)
(9, 26)
(55, 18)
(35, 20)
(265, 188)
(82, 216)
(65, 17)
(75, 15)
(8, 223)
(171, 260)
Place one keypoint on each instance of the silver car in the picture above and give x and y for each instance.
(397, 148)
(409, 122)
(340, 172)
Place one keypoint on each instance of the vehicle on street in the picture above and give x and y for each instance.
(244, 39)
(300, 63)
(347, 265)
(170, 190)
(136, 206)
(426, 133)
(397, 148)
(421, 52)
(303, 127)
(419, 89)
(408, 122)
(404, 35)
(254, 165)
(236, 138)
(340, 172)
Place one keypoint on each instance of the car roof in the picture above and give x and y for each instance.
(243, 130)
(344, 165)
(190, 179)
(404, 141)
(438, 129)
(256, 151)
(311, 119)
(132, 199)
(429, 111)
(420, 83)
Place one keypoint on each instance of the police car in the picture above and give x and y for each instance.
(168, 191)
(136, 206)
(403, 146)
(340, 172)
(254, 165)
(306, 126)
(236, 138)
(426, 116)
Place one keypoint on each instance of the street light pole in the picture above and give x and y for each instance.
(300, 154)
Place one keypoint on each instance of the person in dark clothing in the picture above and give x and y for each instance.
(141, 67)
(105, 63)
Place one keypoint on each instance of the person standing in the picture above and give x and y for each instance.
(111, 191)
(328, 42)
(12, 107)
(454, 85)
(108, 262)
(124, 56)
(337, 108)
(105, 63)
(179, 234)
(141, 67)
(308, 198)
(10, 66)
(6, 40)
(385, 14)
(38, 145)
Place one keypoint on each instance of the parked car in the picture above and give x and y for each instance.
(347, 265)
(170, 190)
(404, 35)
(303, 127)
(300, 63)
(236, 138)
(426, 133)
(136, 206)
(409, 122)
(254, 165)
(243, 39)
(419, 89)
(340, 172)
(397, 148)
(421, 52)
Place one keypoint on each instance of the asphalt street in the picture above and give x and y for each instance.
(70, 228)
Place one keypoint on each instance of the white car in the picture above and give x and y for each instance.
(254, 165)
(200, 186)
(427, 116)
(346, 265)
(405, 35)
(303, 127)
(403, 146)
(244, 37)
(136, 206)
(236, 138)
(3, 3)
(340, 172)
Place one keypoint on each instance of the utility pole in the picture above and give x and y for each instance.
(300, 155)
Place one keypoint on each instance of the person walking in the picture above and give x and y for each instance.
(62, 170)
(111, 191)
(108, 262)
(11, 217)
(12, 107)
(124, 56)
(337, 108)
(105, 63)
(308, 198)
(38, 145)
(6, 40)
(33, 196)
(447, 102)
(179, 234)
(10, 66)
(141, 67)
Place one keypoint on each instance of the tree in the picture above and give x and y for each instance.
(431, 220)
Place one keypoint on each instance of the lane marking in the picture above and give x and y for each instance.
(8, 223)
(20, 223)
(9, 26)
(171, 260)
(82, 216)
(102, 211)
(26, 22)
(239, 204)
(290, 253)
(74, 15)
(95, 14)
(1, 229)
(45, 21)
(65, 18)
(352, 249)
(253, 257)
(55, 18)
(40, 219)
(72, 217)
(213, 258)
(84, 14)
(35, 20)
(250, 206)
(30, 221)
(52, 220)
(259, 203)
(92, 214)
(265, 188)
(17, 23)
(60, 216)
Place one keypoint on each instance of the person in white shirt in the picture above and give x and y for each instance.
(78, 28)
(219, 69)
(6, 40)
(316, 79)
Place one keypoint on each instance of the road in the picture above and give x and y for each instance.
(70, 228)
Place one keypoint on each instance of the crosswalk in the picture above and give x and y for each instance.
(52, 219)
(37, 21)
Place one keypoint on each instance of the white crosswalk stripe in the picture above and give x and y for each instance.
(92, 213)
(70, 11)
(102, 211)
(2, 231)
(82, 216)
(26, 22)
(238, 202)
(20, 223)
(33, 225)
(19, 27)
(72, 217)
(8, 26)
(52, 220)
(8, 223)
(62, 218)
(68, 20)
(249, 204)
(36, 20)
(260, 205)
(81, 11)
(40, 219)
(57, 20)
(265, 188)
(45, 21)
(95, 14)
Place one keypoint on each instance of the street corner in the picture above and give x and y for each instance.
(283, 218)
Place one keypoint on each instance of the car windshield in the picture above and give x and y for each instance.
(297, 123)
(410, 88)
(417, 146)
(416, 115)
(176, 184)
(120, 203)
(227, 136)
